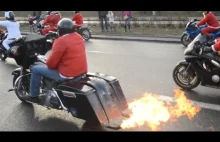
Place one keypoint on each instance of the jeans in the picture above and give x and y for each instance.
(102, 19)
(6, 43)
(39, 71)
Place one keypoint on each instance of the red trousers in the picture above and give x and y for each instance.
(207, 31)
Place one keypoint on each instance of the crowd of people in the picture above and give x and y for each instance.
(107, 18)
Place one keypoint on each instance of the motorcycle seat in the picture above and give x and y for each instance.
(75, 79)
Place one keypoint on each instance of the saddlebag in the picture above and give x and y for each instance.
(97, 98)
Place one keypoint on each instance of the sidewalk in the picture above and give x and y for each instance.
(153, 35)
(138, 38)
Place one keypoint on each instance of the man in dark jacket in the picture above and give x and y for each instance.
(36, 16)
(103, 17)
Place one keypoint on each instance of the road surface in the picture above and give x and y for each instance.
(140, 67)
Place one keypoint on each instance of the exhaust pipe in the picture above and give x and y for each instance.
(215, 63)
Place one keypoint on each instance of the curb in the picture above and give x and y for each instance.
(131, 38)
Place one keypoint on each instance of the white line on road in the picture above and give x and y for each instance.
(195, 103)
(100, 52)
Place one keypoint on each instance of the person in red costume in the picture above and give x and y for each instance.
(1, 31)
(213, 47)
(78, 18)
(52, 19)
(66, 61)
(211, 21)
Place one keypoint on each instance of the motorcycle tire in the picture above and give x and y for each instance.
(178, 81)
(3, 55)
(16, 92)
(85, 38)
(183, 40)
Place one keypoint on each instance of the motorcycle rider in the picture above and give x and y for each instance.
(13, 28)
(213, 47)
(36, 16)
(211, 21)
(52, 19)
(78, 18)
(67, 59)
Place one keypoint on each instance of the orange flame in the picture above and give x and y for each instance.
(151, 111)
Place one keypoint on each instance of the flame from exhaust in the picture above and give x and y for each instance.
(151, 111)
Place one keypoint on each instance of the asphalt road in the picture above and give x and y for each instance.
(140, 67)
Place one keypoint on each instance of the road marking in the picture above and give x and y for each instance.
(195, 103)
(99, 52)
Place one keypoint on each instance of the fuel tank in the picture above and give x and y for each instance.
(97, 97)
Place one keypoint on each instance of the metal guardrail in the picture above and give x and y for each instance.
(138, 20)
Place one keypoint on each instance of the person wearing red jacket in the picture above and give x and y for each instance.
(213, 47)
(1, 31)
(211, 21)
(67, 59)
(78, 18)
(52, 19)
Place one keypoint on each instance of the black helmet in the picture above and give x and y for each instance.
(76, 12)
(48, 12)
(65, 26)
(9, 15)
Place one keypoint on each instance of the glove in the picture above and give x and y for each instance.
(207, 50)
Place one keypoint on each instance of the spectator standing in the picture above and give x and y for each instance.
(111, 19)
(103, 17)
(127, 15)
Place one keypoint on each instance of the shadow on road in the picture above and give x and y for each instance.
(23, 115)
(203, 97)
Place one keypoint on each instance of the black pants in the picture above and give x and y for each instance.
(102, 24)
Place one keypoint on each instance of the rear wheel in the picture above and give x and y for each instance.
(86, 34)
(3, 55)
(185, 79)
(186, 39)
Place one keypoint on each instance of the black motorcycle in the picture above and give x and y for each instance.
(50, 38)
(198, 67)
(94, 97)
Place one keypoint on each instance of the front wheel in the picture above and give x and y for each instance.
(185, 77)
(186, 39)
(20, 92)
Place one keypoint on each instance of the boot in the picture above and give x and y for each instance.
(125, 28)
(129, 27)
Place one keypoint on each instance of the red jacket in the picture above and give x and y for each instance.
(78, 18)
(210, 19)
(52, 20)
(68, 55)
(1, 31)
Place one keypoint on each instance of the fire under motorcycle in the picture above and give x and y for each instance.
(94, 97)
(198, 67)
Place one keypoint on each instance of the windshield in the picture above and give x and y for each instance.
(189, 48)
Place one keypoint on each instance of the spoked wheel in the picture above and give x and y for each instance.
(185, 78)
(22, 91)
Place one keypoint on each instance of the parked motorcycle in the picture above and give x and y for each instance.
(85, 31)
(94, 97)
(198, 67)
(191, 31)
